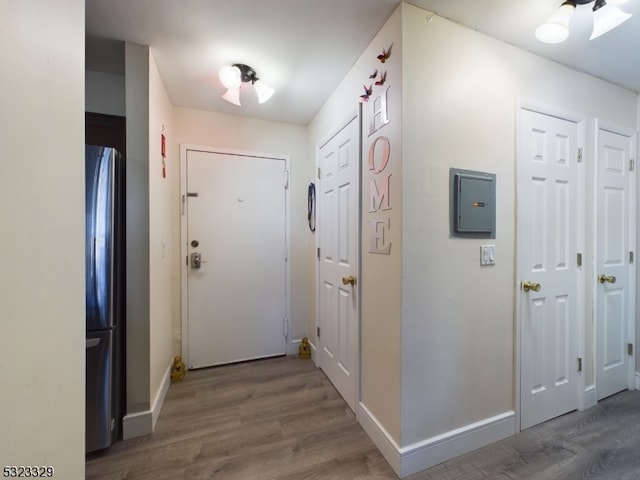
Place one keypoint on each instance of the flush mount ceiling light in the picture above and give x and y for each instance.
(232, 77)
(606, 16)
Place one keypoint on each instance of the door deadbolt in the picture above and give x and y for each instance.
(194, 243)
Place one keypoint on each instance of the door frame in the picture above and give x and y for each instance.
(579, 120)
(355, 114)
(184, 314)
(632, 216)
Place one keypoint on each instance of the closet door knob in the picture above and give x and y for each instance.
(528, 286)
(607, 278)
(350, 280)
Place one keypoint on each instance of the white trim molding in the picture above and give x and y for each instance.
(590, 398)
(426, 453)
(293, 346)
(160, 396)
(143, 423)
(137, 424)
(386, 444)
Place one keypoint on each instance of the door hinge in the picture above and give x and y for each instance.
(580, 155)
(632, 164)
(285, 327)
(318, 173)
(318, 252)
(579, 364)
(630, 348)
(579, 259)
(630, 257)
(286, 179)
(318, 332)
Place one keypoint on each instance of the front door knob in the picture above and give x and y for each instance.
(196, 260)
(350, 280)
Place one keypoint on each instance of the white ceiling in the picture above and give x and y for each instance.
(303, 48)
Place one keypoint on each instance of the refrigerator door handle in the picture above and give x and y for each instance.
(94, 271)
(93, 342)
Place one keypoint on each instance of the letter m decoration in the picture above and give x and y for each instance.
(379, 198)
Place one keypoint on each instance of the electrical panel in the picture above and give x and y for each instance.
(472, 203)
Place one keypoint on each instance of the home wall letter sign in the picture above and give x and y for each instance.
(378, 155)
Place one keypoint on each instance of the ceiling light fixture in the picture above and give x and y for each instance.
(606, 16)
(232, 77)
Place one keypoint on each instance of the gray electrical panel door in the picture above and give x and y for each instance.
(472, 203)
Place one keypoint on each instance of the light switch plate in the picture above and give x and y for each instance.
(487, 255)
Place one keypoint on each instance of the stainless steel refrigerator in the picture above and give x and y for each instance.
(104, 296)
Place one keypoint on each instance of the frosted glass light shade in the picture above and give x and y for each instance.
(232, 95)
(556, 29)
(263, 91)
(230, 77)
(607, 18)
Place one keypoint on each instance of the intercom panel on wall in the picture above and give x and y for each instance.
(472, 203)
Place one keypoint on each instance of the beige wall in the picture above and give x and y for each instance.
(637, 338)
(105, 93)
(460, 95)
(381, 273)
(457, 317)
(137, 235)
(226, 131)
(163, 280)
(42, 303)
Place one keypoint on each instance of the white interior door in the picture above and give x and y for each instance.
(338, 220)
(615, 269)
(547, 251)
(236, 223)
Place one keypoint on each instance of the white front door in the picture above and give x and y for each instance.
(615, 265)
(235, 257)
(338, 220)
(547, 219)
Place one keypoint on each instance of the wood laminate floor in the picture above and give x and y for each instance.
(281, 419)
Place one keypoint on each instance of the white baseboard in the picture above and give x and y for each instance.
(380, 437)
(590, 399)
(160, 396)
(143, 423)
(137, 424)
(314, 353)
(292, 346)
(432, 451)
